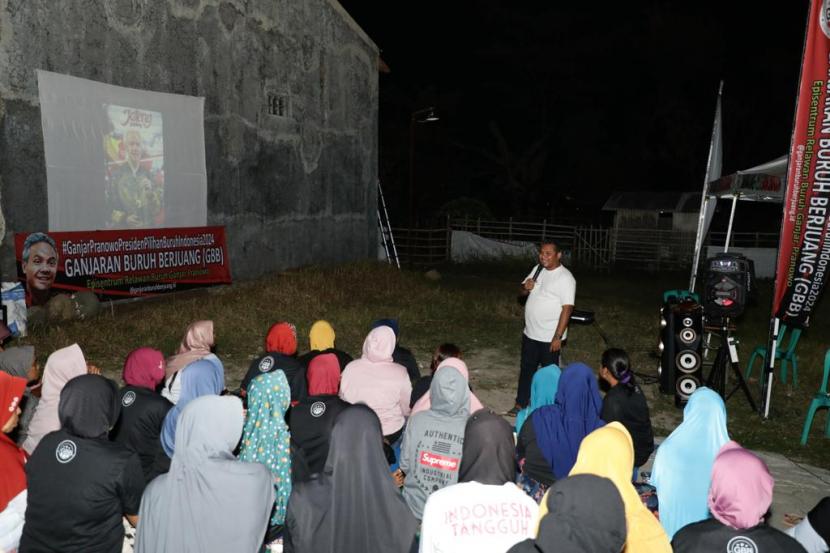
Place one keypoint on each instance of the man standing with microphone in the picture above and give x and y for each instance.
(550, 288)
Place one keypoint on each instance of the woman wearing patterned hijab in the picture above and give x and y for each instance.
(266, 438)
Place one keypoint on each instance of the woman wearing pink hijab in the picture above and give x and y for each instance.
(196, 345)
(739, 497)
(376, 380)
(424, 403)
(61, 367)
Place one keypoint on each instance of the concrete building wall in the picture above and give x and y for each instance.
(291, 190)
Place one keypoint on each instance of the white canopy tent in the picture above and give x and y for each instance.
(763, 183)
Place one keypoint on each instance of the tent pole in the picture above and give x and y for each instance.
(731, 220)
(768, 375)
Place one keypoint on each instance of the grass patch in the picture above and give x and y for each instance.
(472, 305)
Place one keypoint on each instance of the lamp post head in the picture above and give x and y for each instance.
(426, 115)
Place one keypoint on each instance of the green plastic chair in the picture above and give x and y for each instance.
(681, 295)
(821, 400)
(786, 355)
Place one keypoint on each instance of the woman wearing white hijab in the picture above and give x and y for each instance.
(209, 502)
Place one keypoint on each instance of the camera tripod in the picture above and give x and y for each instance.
(727, 355)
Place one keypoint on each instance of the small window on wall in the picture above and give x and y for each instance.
(278, 104)
(664, 220)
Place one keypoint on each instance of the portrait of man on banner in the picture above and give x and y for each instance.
(39, 263)
(135, 168)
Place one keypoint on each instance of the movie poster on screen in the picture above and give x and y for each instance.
(121, 158)
(134, 150)
(804, 246)
(118, 264)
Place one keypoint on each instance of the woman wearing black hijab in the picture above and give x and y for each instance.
(143, 410)
(312, 419)
(585, 513)
(485, 512)
(81, 484)
(353, 506)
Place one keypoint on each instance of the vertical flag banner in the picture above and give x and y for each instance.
(804, 247)
(713, 171)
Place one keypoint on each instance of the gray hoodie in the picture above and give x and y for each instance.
(434, 439)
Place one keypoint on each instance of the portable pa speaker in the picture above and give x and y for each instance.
(727, 284)
(681, 343)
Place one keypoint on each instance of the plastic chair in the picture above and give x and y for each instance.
(786, 355)
(821, 400)
(681, 295)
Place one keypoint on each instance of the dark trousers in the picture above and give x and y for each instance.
(535, 354)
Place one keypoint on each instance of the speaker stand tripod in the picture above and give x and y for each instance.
(728, 355)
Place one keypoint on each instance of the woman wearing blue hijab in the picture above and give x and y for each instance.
(200, 378)
(574, 414)
(536, 475)
(682, 469)
(542, 392)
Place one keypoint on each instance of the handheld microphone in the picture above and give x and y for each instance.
(536, 273)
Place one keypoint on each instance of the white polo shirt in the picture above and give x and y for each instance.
(553, 289)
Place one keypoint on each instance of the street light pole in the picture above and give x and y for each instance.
(426, 115)
(412, 172)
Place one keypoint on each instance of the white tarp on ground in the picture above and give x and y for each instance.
(467, 246)
(764, 258)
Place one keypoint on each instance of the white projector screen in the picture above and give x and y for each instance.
(120, 158)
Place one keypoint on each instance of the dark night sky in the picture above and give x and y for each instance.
(548, 107)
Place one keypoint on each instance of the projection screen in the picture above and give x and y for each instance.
(121, 158)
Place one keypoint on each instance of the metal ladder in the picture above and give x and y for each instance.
(385, 228)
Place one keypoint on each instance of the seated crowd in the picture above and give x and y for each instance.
(322, 453)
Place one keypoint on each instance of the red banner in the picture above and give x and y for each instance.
(804, 247)
(121, 263)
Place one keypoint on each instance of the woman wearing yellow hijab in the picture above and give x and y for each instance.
(321, 336)
(609, 452)
(321, 340)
